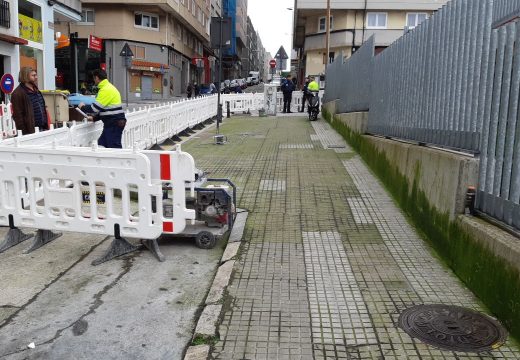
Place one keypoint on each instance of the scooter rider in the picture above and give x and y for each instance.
(312, 87)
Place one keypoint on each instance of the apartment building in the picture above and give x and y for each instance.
(27, 35)
(216, 8)
(233, 56)
(351, 23)
(169, 41)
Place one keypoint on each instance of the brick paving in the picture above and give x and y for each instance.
(328, 261)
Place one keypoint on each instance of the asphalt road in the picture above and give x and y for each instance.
(133, 307)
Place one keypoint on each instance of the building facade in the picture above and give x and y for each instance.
(233, 56)
(27, 35)
(169, 42)
(352, 22)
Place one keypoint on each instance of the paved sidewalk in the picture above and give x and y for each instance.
(328, 261)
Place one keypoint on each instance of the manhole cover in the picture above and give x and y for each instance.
(452, 328)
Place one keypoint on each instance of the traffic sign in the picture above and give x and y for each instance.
(272, 63)
(7, 83)
(126, 51)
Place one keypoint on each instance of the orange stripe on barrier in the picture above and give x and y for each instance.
(165, 167)
(168, 227)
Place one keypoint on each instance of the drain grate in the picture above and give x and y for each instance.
(452, 328)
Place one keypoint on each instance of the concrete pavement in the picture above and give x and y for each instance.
(133, 307)
(328, 261)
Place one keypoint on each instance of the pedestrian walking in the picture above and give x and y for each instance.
(29, 110)
(287, 89)
(189, 90)
(305, 93)
(197, 90)
(109, 109)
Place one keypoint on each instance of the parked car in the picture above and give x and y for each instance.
(249, 81)
(205, 89)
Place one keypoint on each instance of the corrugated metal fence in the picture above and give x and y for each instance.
(499, 180)
(428, 85)
(504, 11)
(455, 81)
(352, 79)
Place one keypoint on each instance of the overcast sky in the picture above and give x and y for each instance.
(273, 22)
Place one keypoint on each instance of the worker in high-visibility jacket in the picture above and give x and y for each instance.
(107, 108)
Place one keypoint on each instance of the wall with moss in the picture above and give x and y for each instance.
(495, 281)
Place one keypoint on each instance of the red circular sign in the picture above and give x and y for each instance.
(7, 83)
(272, 63)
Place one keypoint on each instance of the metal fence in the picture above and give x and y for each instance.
(351, 80)
(504, 11)
(499, 178)
(430, 84)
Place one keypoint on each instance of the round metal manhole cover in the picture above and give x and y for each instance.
(453, 328)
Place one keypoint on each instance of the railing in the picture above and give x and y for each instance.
(5, 14)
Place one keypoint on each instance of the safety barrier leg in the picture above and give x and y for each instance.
(176, 138)
(14, 236)
(151, 244)
(41, 238)
(119, 246)
(157, 147)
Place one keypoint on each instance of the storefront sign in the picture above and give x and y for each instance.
(95, 43)
(30, 29)
(7, 83)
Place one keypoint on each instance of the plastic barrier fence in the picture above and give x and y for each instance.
(145, 127)
(7, 124)
(54, 189)
(255, 101)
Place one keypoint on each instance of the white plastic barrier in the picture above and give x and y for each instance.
(84, 133)
(53, 137)
(52, 189)
(145, 127)
(255, 101)
(7, 124)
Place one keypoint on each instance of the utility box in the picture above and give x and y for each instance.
(57, 105)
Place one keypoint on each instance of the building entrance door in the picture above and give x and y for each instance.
(146, 84)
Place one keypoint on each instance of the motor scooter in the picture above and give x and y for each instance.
(314, 105)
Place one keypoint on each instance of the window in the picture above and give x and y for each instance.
(146, 21)
(193, 7)
(199, 14)
(87, 16)
(376, 20)
(414, 19)
(322, 25)
(178, 30)
(139, 51)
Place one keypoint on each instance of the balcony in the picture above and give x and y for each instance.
(66, 10)
(343, 38)
(372, 4)
(5, 14)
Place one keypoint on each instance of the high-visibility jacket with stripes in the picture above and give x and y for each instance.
(107, 106)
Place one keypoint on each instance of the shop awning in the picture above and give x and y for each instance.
(148, 66)
(13, 39)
